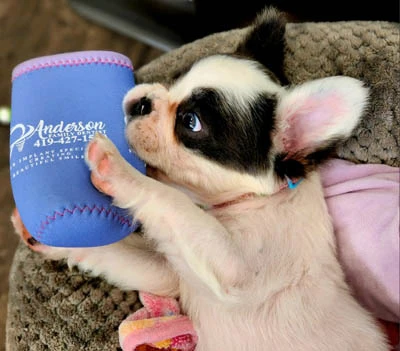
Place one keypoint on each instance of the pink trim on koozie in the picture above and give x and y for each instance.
(72, 59)
(50, 219)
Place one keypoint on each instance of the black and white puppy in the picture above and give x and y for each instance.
(255, 266)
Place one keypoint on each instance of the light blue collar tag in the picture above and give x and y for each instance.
(292, 184)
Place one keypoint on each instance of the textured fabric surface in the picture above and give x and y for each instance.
(53, 308)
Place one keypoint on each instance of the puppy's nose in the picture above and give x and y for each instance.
(137, 108)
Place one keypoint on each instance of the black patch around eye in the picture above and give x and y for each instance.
(238, 140)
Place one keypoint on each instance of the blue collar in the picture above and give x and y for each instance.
(293, 184)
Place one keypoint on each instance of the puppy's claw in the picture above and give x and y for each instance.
(32, 241)
(23, 233)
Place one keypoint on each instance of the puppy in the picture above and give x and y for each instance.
(234, 217)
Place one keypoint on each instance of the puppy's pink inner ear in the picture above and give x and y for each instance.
(309, 122)
(312, 115)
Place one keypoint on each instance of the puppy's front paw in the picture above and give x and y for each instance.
(102, 158)
(111, 174)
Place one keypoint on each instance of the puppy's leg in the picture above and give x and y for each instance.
(130, 264)
(195, 243)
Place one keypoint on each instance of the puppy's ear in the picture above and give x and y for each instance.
(313, 118)
(265, 42)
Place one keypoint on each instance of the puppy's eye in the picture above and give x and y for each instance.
(191, 121)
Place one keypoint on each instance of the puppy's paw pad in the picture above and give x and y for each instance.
(102, 157)
(104, 165)
(98, 149)
(102, 185)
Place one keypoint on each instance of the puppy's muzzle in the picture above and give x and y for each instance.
(138, 108)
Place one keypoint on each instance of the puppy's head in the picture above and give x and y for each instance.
(229, 127)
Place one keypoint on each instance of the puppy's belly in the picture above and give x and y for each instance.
(221, 328)
(286, 326)
(223, 325)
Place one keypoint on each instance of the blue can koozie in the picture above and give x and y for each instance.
(58, 103)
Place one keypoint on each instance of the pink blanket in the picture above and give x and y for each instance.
(363, 201)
